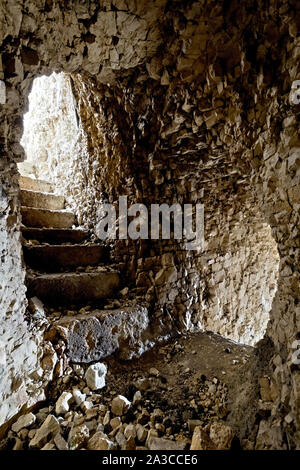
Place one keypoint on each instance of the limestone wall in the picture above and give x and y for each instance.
(21, 376)
(230, 286)
(197, 97)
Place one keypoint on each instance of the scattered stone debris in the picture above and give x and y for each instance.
(87, 412)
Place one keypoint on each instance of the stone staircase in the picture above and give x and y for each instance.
(57, 248)
(65, 268)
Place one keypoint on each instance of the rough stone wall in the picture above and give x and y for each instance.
(239, 266)
(277, 183)
(206, 90)
(106, 169)
(21, 376)
(230, 287)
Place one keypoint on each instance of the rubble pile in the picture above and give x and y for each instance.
(88, 414)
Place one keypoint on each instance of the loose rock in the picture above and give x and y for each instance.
(95, 376)
(120, 405)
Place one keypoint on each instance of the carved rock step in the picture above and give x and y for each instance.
(41, 200)
(74, 288)
(49, 258)
(35, 185)
(98, 334)
(46, 218)
(55, 236)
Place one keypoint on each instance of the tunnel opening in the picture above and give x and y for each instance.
(50, 130)
(68, 144)
(240, 264)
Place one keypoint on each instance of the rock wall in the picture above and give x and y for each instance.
(228, 288)
(198, 96)
(21, 375)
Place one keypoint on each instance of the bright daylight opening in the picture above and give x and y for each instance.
(51, 131)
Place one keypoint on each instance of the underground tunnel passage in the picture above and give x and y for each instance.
(144, 344)
(240, 271)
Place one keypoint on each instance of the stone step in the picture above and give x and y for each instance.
(55, 236)
(41, 200)
(35, 185)
(97, 334)
(50, 258)
(64, 288)
(32, 217)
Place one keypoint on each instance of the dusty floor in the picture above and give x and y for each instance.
(196, 377)
(193, 380)
(184, 364)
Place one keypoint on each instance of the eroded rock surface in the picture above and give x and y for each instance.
(98, 334)
(189, 102)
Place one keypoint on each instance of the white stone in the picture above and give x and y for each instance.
(62, 404)
(78, 396)
(95, 376)
(137, 398)
(120, 405)
(86, 405)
